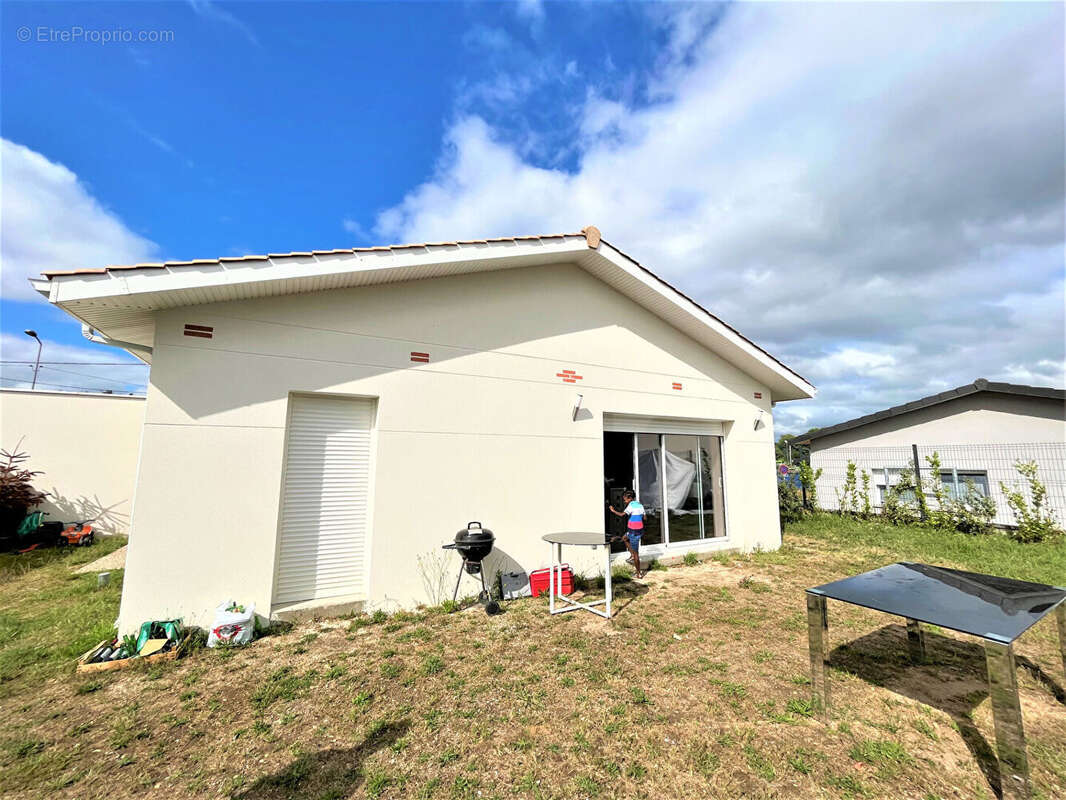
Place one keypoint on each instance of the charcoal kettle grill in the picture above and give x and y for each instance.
(474, 543)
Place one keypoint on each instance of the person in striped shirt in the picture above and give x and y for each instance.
(634, 527)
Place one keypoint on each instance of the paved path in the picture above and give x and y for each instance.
(114, 560)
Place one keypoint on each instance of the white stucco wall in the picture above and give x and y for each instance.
(482, 432)
(86, 446)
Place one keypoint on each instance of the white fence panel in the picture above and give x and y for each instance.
(994, 461)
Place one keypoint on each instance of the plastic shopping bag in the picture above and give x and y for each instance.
(233, 624)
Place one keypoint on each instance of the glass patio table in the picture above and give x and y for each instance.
(998, 610)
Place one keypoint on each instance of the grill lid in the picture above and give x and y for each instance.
(474, 534)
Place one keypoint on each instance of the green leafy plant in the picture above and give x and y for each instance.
(129, 645)
(1034, 521)
(789, 503)
(900, 505)
(864, 495)
(973, 512)
(808, 480)
(848, 497)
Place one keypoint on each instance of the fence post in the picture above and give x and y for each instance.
(919, 494)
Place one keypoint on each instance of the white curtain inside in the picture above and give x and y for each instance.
(679, 477)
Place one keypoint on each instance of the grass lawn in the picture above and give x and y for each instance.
(48, 614)
(698, 688)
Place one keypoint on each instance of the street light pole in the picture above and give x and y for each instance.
(33, 335)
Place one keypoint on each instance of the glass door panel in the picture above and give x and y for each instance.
(711, 487)
(681, 479)
(648, 456)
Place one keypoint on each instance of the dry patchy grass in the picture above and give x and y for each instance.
(697, 689)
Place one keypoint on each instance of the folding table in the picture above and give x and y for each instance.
(998, 610)
(577, 539)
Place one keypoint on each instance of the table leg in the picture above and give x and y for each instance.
(916, 641)
(1060, 612)
(607, 581)
(551, 580)
(1007, 713)
(818, 641)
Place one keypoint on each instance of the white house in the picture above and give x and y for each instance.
(318, 424)
(978, 432)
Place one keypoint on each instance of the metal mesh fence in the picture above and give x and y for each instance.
(987, 465)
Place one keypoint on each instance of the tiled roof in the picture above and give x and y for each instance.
(979, 385)
(587, 233)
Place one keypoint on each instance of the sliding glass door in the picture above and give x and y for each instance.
(677, 478)
(649, 485)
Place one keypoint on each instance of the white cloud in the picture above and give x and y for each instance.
(51, 221)
(214, 12)
(872, 192)
(532, 10)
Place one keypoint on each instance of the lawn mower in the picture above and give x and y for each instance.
(77, 533)
(35, 532)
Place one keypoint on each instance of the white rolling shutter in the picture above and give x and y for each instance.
(322, 548)
(631, 423)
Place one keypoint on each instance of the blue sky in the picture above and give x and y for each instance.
(867, 192)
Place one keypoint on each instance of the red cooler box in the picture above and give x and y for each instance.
(538, 580)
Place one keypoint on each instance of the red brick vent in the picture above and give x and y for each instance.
(202, 331)
(420, 358)
(568, 376)
(677, 386)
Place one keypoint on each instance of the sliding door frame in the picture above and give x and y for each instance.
(683, 427)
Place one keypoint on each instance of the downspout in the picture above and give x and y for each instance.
(90, 334)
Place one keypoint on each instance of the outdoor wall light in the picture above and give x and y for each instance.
(577, 406)
(758, 419)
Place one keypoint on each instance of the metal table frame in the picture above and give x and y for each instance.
(1002, 688)
(556, 568)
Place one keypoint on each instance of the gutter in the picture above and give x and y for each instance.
(93, 336)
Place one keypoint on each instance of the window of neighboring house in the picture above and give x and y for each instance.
(893, 478)
(956, 482)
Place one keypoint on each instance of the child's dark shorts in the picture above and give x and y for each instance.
(634, 540)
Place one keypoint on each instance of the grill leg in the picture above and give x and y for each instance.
(818, 641)
(916, 641)
(458, 580)
(1007, 713)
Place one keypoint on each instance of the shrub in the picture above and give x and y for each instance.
(973, 512)
(808, 480)
(17, 495)
(900, 505)
(848, 497)
(1035, 523)
(865, 496)
(789, 503)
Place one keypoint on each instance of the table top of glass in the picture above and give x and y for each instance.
(999, 609)
(581, 538)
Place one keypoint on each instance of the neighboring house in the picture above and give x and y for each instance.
(320, 423)
(85, 445)
(979, 431)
